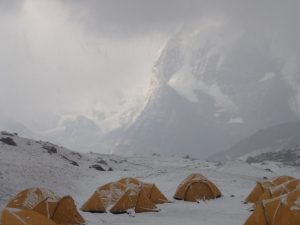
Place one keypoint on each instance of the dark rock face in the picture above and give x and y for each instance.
(77, 154)
(97, 167)
(8, 141)
(102, 161)
(70, 161)
(50, 149)
(8, 134)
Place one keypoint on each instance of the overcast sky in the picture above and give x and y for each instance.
(77, 56)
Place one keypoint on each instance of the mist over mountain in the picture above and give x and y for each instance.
(213, 86)
(273, 139)
(76, 73)
(8, 123)
(78, 133)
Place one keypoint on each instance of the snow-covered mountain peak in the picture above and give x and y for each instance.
(213, 82)
(222, 61)
(192, 57)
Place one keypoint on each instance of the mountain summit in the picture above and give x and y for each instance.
(212, 87)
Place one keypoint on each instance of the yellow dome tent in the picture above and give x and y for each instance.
(135, 199)
(47, 203)
(280, 189)
(260, 187)
(104, 197)
(117, 198)
(123, 195)
(283, 210)
(151, 191)
(10, 216)
(196, 187)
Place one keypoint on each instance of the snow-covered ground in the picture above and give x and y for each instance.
(31, 163)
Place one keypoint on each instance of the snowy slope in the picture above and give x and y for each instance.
(25, 163)
(214, 85)
(271, 139)
(29, 164)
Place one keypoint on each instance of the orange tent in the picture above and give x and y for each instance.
(196, 187)
(283, 210)
(47, 203)
(260, 187)
(104, 197)
(117, 198)
(151, 191)
(11, 216)
(280, 189)
(136, 200)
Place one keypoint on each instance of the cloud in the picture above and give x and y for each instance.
(50, 66)
(78, 57)
(132, 17)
